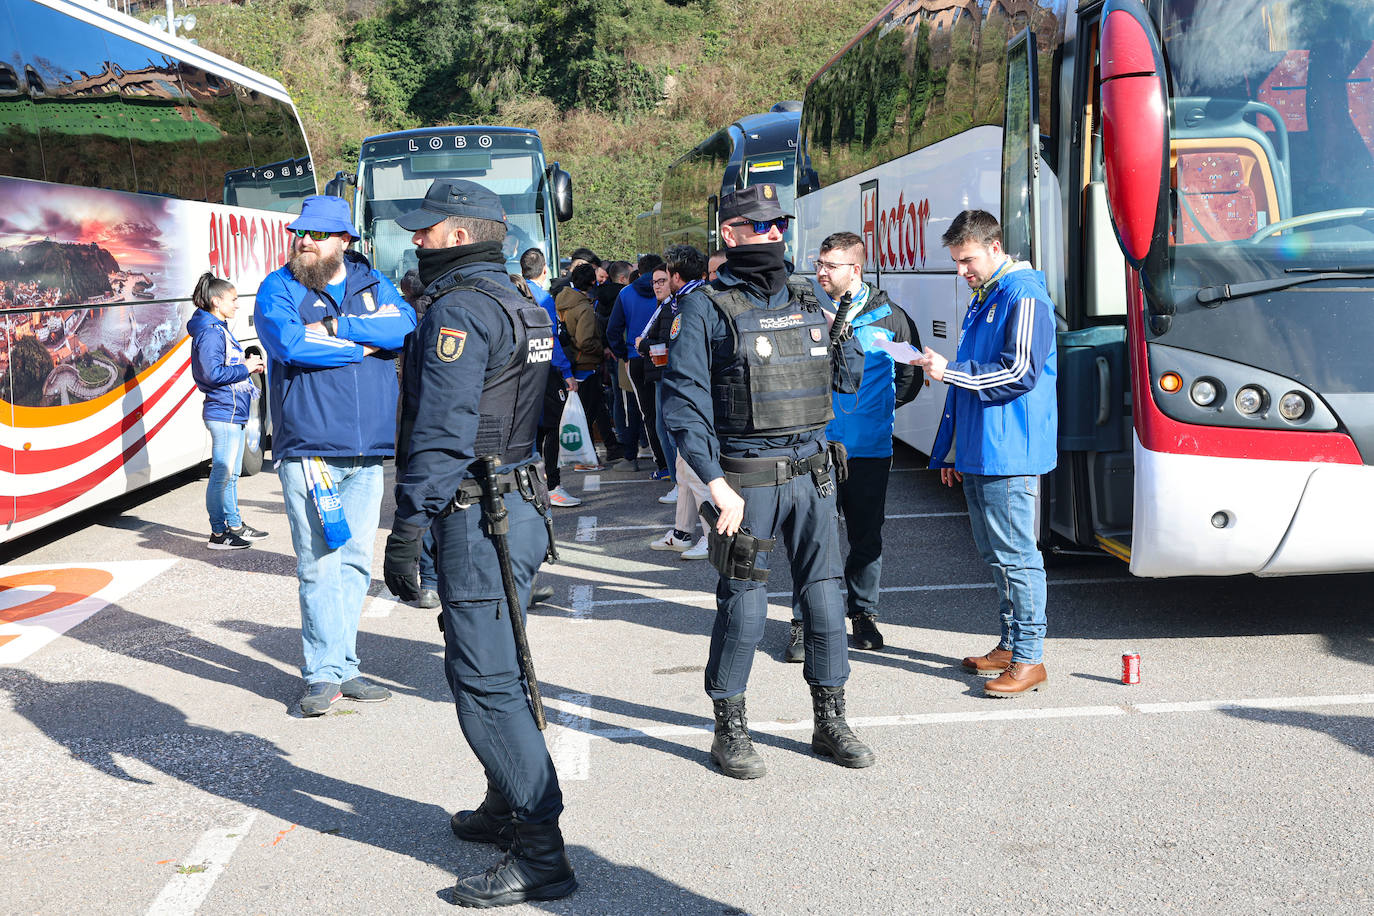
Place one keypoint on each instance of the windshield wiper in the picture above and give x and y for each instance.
(1209, 295)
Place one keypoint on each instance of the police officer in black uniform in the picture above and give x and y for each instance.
(746, 396)
(480, 358)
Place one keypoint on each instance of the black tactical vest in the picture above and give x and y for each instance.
(513, 398)
(779, 380)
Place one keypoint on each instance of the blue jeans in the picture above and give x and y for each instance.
(1001, 511)
(222, 492)
(333, 583)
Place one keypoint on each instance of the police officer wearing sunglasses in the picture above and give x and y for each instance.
(746, 396)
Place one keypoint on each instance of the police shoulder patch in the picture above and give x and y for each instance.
(450, 344)
(677, 326)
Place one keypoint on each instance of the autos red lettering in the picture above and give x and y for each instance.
(923, 217)
(910, 228)
(870, 200)
(215, 254)
(887, 238)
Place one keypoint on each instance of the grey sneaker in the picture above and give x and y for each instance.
(319, 697)
(362, 690)
(248, 532)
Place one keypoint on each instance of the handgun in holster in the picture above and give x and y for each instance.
(735, 555)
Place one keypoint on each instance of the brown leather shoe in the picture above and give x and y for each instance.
(1019, 678)
(995, 662)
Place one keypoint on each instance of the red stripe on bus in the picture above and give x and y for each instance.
(1160, 433)
(32, 461)
(35, 504)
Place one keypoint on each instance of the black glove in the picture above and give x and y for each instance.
(401, 566)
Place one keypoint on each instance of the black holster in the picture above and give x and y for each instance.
(734, 556)
(839, 460)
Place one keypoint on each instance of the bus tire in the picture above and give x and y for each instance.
(255, 431)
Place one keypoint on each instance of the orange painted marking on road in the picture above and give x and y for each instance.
(281, 834)
(69, 586)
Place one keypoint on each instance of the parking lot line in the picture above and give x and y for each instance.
(196, 873)
(1003, 715)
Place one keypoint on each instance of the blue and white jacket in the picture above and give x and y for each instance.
(328, 399)
(864, 420)
(1001, 417)
(217, 366)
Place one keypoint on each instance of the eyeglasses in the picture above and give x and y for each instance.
(831, 266)
(663, 282)
(318, 235)
(761, 227)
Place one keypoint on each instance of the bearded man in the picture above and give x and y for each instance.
(331, 326)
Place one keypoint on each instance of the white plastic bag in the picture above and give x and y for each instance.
(574, 438)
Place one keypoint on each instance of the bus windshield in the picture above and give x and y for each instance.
(1272, 148)
(781, 170)
(395, 172)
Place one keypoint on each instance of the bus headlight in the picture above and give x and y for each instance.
(1204, 392)
(1250, 400)
(1292, 406)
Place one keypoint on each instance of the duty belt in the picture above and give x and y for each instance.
(770, 472)
(513, 481)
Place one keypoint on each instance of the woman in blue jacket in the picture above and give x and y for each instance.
(222, 372)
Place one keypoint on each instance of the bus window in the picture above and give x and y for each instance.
(76, 101)
(21, 154)
(225, 148)
(153, 112)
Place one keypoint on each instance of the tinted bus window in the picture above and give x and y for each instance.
(76, 102)
(225, 148)
(20, 151)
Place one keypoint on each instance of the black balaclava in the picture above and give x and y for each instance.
(762, 265)
(435, 262)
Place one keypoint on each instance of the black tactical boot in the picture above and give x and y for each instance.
(866, 635)
(536, 868)
(732, 750)
(796, 644)
(492, 822)
(831, 736)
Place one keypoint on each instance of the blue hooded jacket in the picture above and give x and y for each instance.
(1001, 415)
(634, 307)
(328, 399)
(217, 366)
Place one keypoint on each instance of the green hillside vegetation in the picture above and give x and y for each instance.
(616, 88)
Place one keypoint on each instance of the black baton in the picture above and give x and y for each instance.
(498, 526)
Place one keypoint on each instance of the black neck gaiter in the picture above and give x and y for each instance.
(435, 262)
(762, 266)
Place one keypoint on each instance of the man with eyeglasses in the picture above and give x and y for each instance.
(331, 325)
(863, 425)
(746, 396)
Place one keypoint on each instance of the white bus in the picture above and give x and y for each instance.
(130, 163)
(1196, 180)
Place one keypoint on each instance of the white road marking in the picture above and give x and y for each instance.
(197, 872)
(570, 739)
(1002, 715)
(381, 605)
(580, 601)
(706, 597)
(586, 528)
(591, 483)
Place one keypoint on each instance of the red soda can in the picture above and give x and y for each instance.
(1130, 668)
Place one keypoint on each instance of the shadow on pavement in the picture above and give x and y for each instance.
(1355, 732)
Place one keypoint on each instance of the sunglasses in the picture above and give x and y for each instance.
(762, 227)
(318, 235)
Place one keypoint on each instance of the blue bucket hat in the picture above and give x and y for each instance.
(453, 197)
(325, 213)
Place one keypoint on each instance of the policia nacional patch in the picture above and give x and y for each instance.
(450, 344)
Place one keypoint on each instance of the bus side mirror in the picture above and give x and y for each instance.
(337, 185)
(1135, 130)
(560, 183)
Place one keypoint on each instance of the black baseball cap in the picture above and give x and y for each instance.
(453, 197)
(756, 202)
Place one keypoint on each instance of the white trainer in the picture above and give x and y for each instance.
(670, 497)
(559, 496)
(671, 541)
(698, 551)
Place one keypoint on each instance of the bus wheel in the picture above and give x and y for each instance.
(255, 431)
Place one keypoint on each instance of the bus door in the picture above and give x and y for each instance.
(1086, 500)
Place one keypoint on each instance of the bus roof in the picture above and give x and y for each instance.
(449, 129)
(145, 35)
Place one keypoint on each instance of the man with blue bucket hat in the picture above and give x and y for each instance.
(331, 326)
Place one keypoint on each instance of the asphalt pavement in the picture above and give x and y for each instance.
(155, 761)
